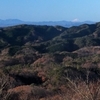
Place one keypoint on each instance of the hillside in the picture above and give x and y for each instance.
(45, 58)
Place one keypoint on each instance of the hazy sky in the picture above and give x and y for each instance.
(50, 10)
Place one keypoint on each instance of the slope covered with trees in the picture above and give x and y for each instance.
(40, 61)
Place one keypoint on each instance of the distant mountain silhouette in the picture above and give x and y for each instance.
(12, 22)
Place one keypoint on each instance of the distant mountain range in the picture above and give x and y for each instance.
(12, 22)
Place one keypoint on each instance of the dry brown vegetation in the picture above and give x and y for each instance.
(72, 89)
(50, 63)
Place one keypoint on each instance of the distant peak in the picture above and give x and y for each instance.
(75, 20)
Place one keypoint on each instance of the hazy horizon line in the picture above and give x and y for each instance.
(75, 20)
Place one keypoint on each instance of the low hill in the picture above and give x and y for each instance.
(48, 58)
(51, 38)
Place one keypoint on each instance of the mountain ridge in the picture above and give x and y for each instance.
(49, 38)
(12, 22)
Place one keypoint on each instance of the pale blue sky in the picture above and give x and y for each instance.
(50, 10)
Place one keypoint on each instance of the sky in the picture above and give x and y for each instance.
(50, 10)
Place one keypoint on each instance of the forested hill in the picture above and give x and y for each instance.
(42, 61)
(46, 39)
